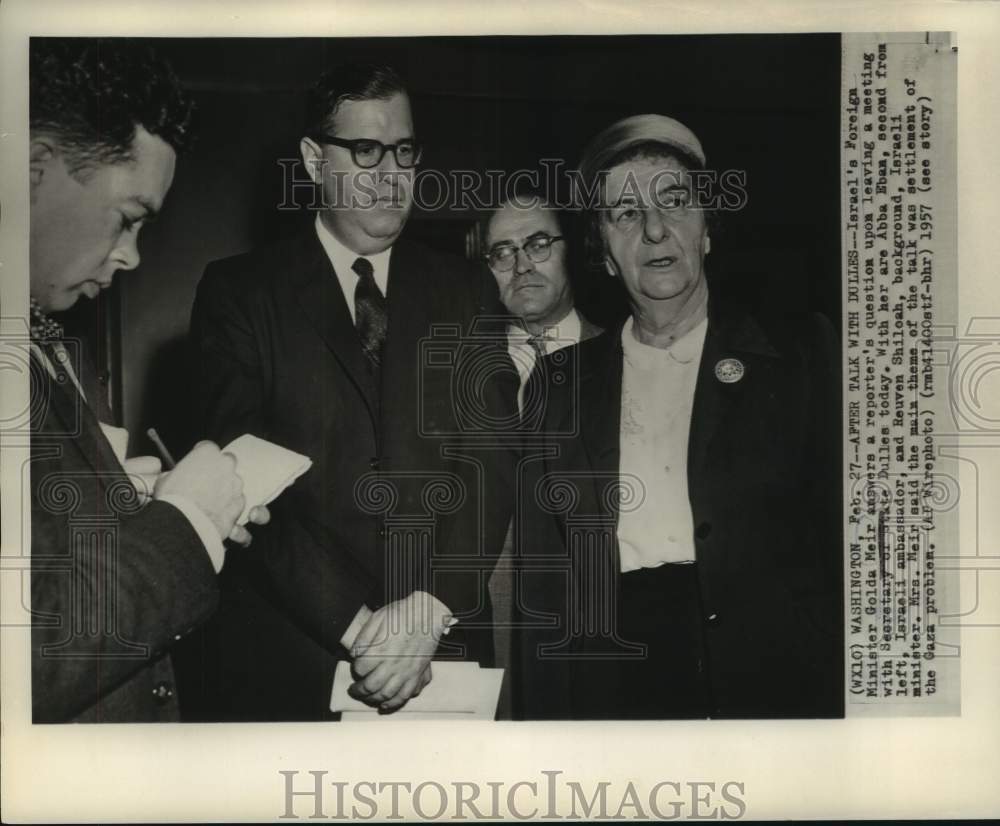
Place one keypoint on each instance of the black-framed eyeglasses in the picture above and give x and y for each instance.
(368, 153)
(538, 249)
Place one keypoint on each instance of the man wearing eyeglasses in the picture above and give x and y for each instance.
(526, 252)
(316, 344)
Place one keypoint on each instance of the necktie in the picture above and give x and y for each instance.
(42, 327)
(370, 315)
(72, 365)
(527, 406)
(538, 345)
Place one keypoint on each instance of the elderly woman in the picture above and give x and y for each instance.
(679, 527)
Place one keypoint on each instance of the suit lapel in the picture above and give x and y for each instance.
(74, 421)
(600, 417)
(595, 471)
(324, 306)
(588, 330)
(728, 337)
(597, 408)
(409, 319)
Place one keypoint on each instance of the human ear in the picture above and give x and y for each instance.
(312, 157)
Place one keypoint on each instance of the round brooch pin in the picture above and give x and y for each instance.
(729, 371)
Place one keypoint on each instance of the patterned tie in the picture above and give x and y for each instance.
(41, 327)
(370, 316)
(48, 336)
(79, 372)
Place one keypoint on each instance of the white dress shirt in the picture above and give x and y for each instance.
(118, 437)
(657, 399)
(562, 334)
(343, 260)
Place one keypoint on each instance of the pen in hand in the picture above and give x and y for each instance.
(168, 460)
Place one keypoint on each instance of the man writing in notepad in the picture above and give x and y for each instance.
(122, 566)
(316, 344)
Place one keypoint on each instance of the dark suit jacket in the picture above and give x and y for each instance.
(113, 584)
(502, 581)
(765, 489)
(398, 490)
(587, 329)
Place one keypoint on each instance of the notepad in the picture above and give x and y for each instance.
(266, 469)
(118, 439)
(458, 690)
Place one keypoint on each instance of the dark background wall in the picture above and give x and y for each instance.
(765, 104)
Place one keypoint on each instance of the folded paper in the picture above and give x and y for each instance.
(458, 690)
(266, 469)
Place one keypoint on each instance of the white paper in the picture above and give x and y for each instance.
(118, 438)
(458, 690)
(266, 469)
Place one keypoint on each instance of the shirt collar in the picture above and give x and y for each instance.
(343, 260)
(683, 351)
(562, 334)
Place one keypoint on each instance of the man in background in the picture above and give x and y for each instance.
(319, 344)
(526, 249)
(526, 252)
(122, 566)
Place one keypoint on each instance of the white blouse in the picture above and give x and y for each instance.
(655, 524)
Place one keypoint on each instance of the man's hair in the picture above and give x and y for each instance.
(91, 94)
(524, 197)
(348, 81)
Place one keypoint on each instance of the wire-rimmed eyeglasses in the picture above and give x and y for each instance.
(538, 249)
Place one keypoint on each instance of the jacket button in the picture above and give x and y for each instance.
(713, 617)
(381, 532)
(703, 530)
(163, 692)
(374, 463)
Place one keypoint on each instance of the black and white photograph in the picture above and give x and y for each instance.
(672, 518)
(556, 392)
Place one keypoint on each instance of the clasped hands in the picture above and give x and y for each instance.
(392, 652)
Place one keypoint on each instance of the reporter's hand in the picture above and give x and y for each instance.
(207, 478)
(143, 472)
(259, 515)
(394, 649)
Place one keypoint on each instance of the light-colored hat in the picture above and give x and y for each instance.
(632, 131)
